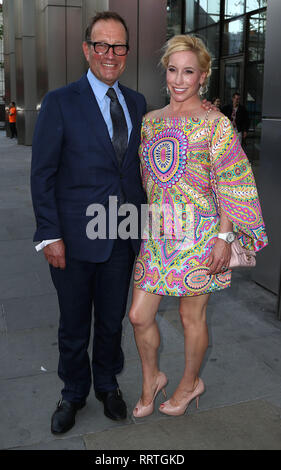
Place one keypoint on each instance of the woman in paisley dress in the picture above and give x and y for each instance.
(175, 164)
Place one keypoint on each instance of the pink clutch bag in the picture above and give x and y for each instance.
(240, 257)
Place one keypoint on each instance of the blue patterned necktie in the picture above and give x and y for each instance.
(120, 129)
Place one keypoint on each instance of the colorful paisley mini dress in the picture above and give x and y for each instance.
(175, 164)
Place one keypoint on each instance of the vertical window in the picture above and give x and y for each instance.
(233, 37)
(174, 17)
(190, 8)
(201, 13)
(255, 4)
(211, 38)
(208, 12)
(234, 8)
(255, 67)
(213, 86)
(232, 79)
(256, 38)
(2, 80)
(254, 87)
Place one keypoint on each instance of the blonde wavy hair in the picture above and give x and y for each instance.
(187, 42)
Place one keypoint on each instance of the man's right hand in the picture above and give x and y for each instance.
(55, 254)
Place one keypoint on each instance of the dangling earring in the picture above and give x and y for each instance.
(167, 91)
(203, 90)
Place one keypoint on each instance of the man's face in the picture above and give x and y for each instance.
(106, 67)
(236, 100)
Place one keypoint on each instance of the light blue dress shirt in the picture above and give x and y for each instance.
(100, 89)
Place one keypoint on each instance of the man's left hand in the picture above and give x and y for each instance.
(208, 105)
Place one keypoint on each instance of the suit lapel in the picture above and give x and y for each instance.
(92, 114)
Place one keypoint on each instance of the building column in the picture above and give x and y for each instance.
(147, 22)
(9, 56)
(20, 64)
(59, 43)
(151, 39)
(268, 270)
(26, 67)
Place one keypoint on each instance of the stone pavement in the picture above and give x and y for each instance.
(240, 409)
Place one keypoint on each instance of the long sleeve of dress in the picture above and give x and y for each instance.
(235, 185)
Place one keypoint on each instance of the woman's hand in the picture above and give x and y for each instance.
(219, 258)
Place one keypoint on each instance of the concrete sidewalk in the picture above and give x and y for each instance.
(240, 409)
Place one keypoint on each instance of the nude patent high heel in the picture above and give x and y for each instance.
(141, 410)
(180, 409)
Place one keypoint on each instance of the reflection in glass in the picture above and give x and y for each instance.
(214, 9)
(254, 86)
(234, 8)
(174, 16)
(211, 36)
(213, 86)
(208, 12)
(2, 75)
(232, 80)
(201, 13)
(233, 37)
(256, 38)
(255, 4)
(254, 93)
(189, 15)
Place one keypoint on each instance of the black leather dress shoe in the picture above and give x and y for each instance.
(63, 418)
(114, 405)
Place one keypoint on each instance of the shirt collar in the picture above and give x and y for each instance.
(100, 88)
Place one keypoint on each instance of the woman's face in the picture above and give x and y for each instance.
(183, 75)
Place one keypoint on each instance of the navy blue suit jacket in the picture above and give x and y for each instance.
(74, 165)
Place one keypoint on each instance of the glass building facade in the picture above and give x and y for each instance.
(234, 32)
(2, 75)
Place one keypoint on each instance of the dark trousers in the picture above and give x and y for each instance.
(79, 287)
(13, 129)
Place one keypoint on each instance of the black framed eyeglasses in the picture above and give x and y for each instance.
(103, 48)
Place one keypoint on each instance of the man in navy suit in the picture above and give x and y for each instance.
(80, 158)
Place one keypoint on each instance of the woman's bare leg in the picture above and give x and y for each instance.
(142, 316)
(193, 317)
